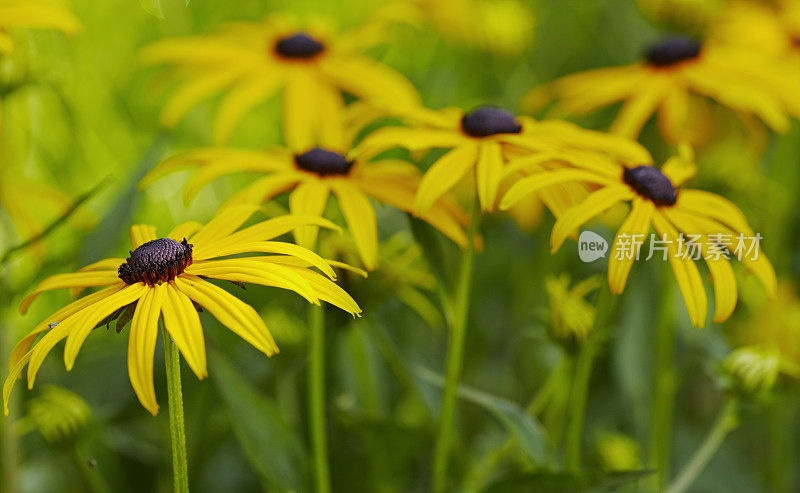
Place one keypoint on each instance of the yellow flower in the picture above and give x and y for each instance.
(486, 140)
(673, 72)
(770, 28)
(571, 316)
(713, 226)
(163, 277)
(252, 61)
(34, 14)
(312, 175)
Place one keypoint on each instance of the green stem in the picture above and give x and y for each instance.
(576, 412)
(454, 361)
(664, 383)
(726, 422)
(177, 430)
(496, 456)
(316, 398)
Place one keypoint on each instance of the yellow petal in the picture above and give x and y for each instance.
(76, 279)
(192, 93)
(444, 174)
(309, 198)
(238, 316)
(142, 346)
(183, 324)
(361, 221)
(280, 248)
(596, 203)
(535, 182)
(300, 110)
(620, 259)
(241, 99)
(488, 173)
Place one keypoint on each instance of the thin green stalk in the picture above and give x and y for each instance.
(576, 412)
(316, 398)
(664, 383)
(494, 457)
(726, 422)
(177, 429)
(454, 361)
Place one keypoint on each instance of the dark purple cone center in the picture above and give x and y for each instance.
(672, 50)
(486, 121)
(650, 183)
(796, 41)
(323, 162)
(156, 261)
(299, 45)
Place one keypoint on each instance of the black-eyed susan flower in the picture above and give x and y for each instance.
(690, 224)
(163, 278)
(672, 74)
(33, 14)
(313, 175)
(486, 140)
(251, 61)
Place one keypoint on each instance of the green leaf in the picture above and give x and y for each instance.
(270, 445)
(430, 241)
(560, 482)
(152, 7)
(528, 431)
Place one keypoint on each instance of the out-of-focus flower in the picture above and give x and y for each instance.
(673, 71)
(486, 140)
(163, 277)
(57, 414)
(501, 26)
(307, 62)
(34, 14)
(756, 368)
(618, 452)
(571, 316)
(682, 15)
(313, 174)
(771, 28)
(690, 224)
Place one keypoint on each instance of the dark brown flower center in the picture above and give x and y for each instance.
(486, 121)
(323, 162)
(672, 50)
(156, 261)
(299, 46)
(650, 183)
(796, 41)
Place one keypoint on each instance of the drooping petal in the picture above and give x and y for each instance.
(637, 110)
(233, 313)
(272, 228)
(489, 171)
(224, 223)
(183, 324)
(309, 198)
(361, 221)
(251, 271)
(190, 94)
(413, 139)
(300, 110)
(633, 231)
(280, 248)
(689, 281)
(240, 99)
(142, 346)
(715, 207)
(538, 181)
(184, 230)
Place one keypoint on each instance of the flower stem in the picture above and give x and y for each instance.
(454, 361)
(726, 422)
(664, 383)
(589, 348)
(177, 430)
(316, 398)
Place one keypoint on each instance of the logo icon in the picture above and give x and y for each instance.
(591, 246)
